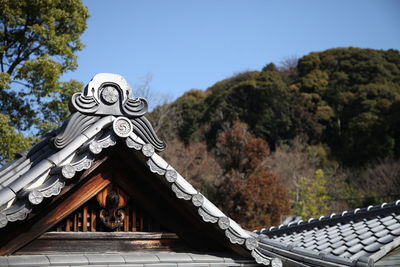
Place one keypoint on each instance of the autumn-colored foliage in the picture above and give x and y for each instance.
(248, 191)
(196, 164)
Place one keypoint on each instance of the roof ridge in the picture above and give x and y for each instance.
(356, 214)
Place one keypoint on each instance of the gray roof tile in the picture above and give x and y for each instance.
(327, 250)
(368, 241)
(362, 230)
(309, 243)
(347, 232)
(359, 254)
(160, 265)
(389, 222)
(373, 247)
(336, 239)
(378, 228)
(350, 237)
(104, 258)
(387, 218)
(174, 257)
(356, 248)
(352, 242)
(67, 260)
(337, 244)
(323, 246)
(197, 257)
(366, 235)
(396, 232)
(385, 239)
(372, 225)
(394, 226)
(3, 261)
(346, 254)
(140, 258)
(347, 236)
(338, 251)
(31, 260)
(224, 265)
(381, 233)
(193, 264)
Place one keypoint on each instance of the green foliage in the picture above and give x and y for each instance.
(38, 41)
(356, 89)
(262, 100)
(55, 110)
(311, 196)
(345, 99)
(11, 141)
(189, 108)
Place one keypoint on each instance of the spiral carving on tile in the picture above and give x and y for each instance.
(122, 127)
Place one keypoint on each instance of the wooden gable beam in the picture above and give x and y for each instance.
(57, 210)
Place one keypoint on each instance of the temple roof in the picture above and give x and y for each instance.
(105, 114)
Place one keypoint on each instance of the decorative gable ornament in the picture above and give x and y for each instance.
(104, 114)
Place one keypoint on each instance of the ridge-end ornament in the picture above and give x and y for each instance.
(122, 127)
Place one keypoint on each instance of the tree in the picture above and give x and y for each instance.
(311, 196)
(354, 91)
(194, 162)
(11, 141)
(248, 191)
(38, 42)
(380, 182)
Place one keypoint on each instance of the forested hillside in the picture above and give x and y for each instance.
(315, 135)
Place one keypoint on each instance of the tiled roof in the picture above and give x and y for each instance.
(102, 115)
(353, 238)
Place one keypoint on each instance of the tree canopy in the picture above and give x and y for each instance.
(330, 120)
(38, 42)
(346, 98)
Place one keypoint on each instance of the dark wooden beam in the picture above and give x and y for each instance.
(179, 216)
(56, 211)
(105, 242)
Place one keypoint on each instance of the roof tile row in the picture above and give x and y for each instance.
(131, 259)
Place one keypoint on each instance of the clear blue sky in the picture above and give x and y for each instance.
(193, 44)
